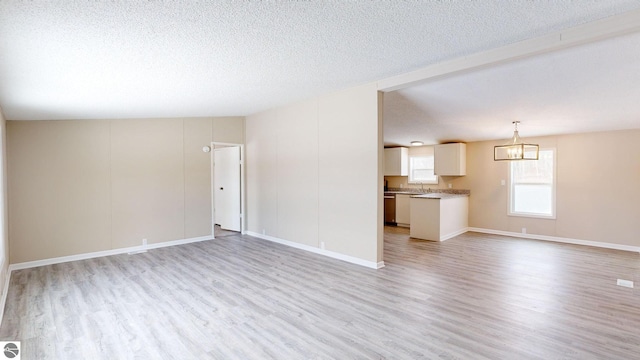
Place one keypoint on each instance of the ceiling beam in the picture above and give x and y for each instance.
(610, 27)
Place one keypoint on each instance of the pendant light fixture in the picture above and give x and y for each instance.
(516, 149)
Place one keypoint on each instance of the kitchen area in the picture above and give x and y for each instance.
(417, 197)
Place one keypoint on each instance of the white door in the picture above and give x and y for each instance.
(226, 180)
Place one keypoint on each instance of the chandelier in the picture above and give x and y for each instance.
(515, 149)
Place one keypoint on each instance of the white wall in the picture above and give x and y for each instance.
(83, 186)
(598, 188)
(297, 171)
(261, 172)
(4, 214)
(313, 173)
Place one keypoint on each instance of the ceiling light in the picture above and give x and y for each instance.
(417, 143)
(515, 149)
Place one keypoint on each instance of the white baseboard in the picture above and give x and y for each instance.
(331, 254)
(128, 250)
(558, 239)
(454, 234)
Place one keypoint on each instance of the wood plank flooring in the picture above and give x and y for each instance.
(475, 296)
(220, 232)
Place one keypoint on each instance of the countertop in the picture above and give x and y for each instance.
(429, 193)
(401, 193)
(438, 196)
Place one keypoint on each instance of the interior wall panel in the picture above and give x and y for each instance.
(59, 188)
(599, 186)
(282, 191)
(82, 186)
(147, 181)
(228, 129)
(348, 172)
(297, 171)
(262, 177)
(595, 200)
(197, 177)
(4, 204)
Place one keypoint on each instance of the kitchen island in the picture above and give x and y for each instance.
(438, 216)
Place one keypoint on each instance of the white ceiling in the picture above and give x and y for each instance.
(103, 59)
(593, 87)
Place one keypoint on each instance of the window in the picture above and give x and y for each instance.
(532, 190)
(421, 166)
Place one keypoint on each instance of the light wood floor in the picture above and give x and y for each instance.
(236, 297)
(220, 232)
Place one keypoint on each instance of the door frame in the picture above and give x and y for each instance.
(242, 185)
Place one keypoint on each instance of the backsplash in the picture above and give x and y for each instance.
(443, 183)
(429, 191)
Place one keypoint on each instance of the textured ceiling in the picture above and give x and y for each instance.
(120, 59)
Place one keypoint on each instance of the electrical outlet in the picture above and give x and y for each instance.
(524, 230)
(322, 245)
(264, 232)
(450, 186)
(144, 242)
(503, 183)
(625, 283)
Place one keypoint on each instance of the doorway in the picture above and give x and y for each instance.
(227, 189)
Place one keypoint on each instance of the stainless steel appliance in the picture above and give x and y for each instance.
(390, 209)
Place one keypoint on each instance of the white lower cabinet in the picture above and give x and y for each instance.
(403, 212)
(439, 219)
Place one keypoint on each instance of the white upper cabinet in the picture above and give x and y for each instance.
(451, 159)
(396, 161)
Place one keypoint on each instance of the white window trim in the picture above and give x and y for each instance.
(553, 192)
(413, 182)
